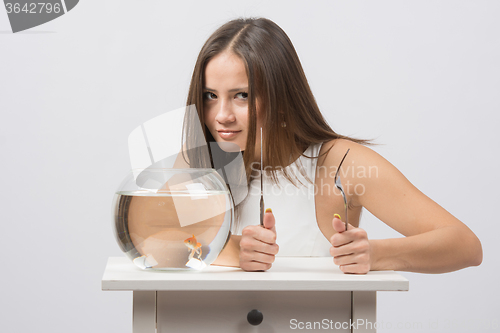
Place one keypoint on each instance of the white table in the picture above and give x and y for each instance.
(295, 294)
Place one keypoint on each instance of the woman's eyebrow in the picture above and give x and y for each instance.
(238, 89)
(232, 90)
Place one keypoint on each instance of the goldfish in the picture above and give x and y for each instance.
(194, 246)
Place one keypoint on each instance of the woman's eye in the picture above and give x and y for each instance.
(242, 95)
(209, 95)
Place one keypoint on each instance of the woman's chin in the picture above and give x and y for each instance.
(229, 147)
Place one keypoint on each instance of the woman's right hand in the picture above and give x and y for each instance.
(258, 245)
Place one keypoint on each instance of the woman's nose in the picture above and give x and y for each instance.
(225, 113)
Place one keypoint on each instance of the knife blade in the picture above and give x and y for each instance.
(261, 184)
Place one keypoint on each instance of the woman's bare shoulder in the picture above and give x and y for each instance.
(333, 151)
(362, 168)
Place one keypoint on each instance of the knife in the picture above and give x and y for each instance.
(261, 184)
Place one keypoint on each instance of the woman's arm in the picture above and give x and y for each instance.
(230, 255)
(435, 241)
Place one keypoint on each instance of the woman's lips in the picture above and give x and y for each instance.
(226, 135)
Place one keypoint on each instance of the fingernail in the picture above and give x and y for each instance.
(337, 216)
(269, 210)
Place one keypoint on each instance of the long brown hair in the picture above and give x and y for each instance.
(276, 78)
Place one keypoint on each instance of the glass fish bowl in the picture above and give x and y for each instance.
(173, 219)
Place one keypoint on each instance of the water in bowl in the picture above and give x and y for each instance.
(172, 230)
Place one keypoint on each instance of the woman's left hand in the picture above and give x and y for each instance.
(350, 249)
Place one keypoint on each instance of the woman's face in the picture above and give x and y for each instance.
(226, 101)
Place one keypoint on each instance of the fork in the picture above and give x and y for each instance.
(338, 185)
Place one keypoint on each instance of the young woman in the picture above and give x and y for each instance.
(248, 76)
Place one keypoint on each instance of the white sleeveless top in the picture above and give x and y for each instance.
(294, 209)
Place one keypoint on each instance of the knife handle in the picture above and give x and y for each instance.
(261, 211)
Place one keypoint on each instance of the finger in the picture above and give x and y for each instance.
(356, 246)
(258, 234)
(254, 266)
(246, 256)
(344, 260)
(355, 269)
(351, 259)
(339, 225)
(259, 243)
(266, 236)
(340, 251)
(341, 239)
(271, 249)
(269, 221)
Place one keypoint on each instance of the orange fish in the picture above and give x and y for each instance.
(195, 247)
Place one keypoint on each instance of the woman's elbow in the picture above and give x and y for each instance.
(478, 257)
(474, 250)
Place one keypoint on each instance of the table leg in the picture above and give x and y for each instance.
(364, 311)
(144, 312)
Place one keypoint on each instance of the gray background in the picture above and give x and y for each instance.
(420, 77)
